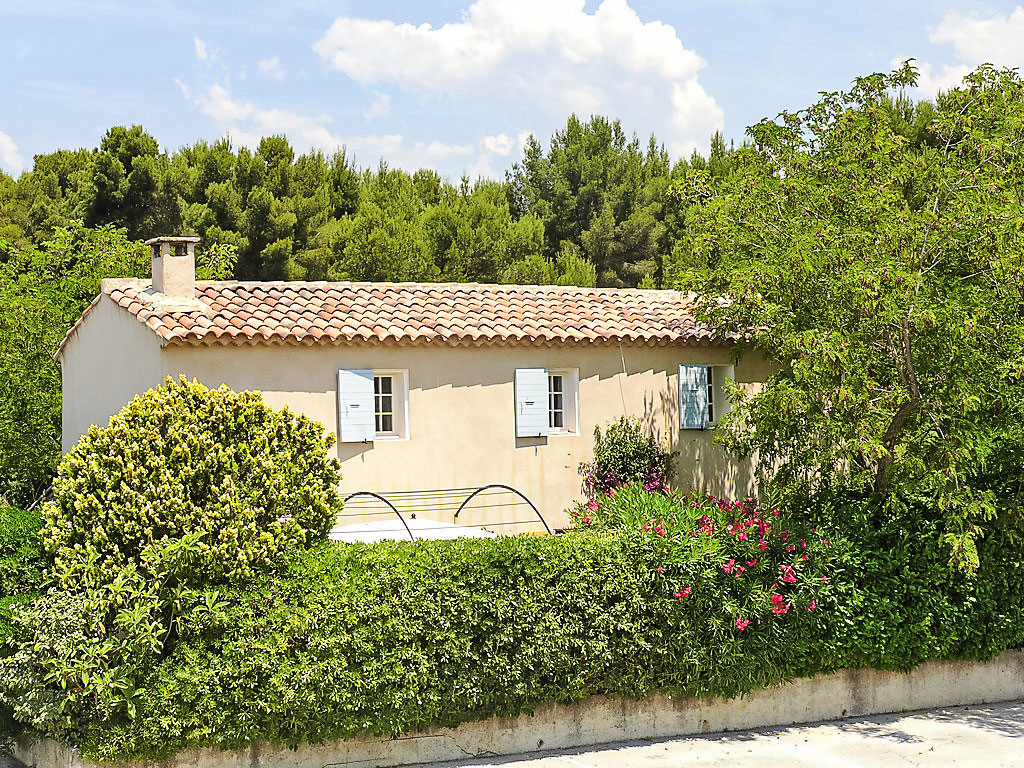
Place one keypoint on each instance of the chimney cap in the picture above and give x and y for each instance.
(172, 239)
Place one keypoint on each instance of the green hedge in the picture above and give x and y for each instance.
(397, 636)
(22, 564)
(22, 561)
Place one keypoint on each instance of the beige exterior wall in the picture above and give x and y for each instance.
(462, 418)
(461, 407)
(110, 359)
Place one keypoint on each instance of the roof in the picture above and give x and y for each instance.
(412, 313)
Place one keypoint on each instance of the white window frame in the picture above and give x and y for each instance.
(570, 402)
(399, 403)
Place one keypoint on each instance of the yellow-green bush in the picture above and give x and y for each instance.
(181, 459)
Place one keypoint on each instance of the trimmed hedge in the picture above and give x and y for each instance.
(398, 636)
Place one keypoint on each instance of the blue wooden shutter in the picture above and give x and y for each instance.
(693, 397)
(531, 402)
(355, 406)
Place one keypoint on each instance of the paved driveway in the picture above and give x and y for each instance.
(985, 736)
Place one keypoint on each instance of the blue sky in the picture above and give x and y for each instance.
(456, 85)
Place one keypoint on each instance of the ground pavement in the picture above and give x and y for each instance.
(989, 736)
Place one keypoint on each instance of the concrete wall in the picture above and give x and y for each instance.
(111, 358)
(462, 416)
(600, 720)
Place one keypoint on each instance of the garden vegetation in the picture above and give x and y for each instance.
(179, 592)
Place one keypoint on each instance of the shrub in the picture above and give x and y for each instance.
(22, 561)
(250, 481)
(624, 454)
(186, 487)
(740, 567)
(22, 564)
(656, 592)
(393, 637)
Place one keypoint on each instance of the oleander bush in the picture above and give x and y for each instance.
(180, 459)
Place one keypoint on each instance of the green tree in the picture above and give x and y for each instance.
(600, 191)
(880, 270)
(43, 292)
(385, 239)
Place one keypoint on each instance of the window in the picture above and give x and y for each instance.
(711, 395)
(702, 398)
(384, 404)
(546, 402)
(563, 389)
(556, 401)
(372, 405)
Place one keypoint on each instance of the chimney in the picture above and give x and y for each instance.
(174, 266)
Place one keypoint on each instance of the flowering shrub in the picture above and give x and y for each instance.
(744, 567)
(624, 453)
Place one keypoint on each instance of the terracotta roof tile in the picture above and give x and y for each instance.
(451, 313)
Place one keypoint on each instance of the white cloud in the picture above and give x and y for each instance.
(499, 145)
(380, 107)
(10, 159)
(202, 52)
(272, 68)
(542, 59)
(996, 39)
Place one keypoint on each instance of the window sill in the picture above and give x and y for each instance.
(563, 434)
(388, 437)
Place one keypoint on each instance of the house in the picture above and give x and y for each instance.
(425, 385)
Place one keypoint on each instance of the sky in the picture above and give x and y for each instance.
(458, 85)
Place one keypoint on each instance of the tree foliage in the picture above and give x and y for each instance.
(43, 292)
(593, 208)
(873, 252)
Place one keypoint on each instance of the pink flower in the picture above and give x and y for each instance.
(751, 563)
(788, 575)
(742, 624)
(824, 579)
(682, 595)
(812, 606)
(728, 566)
(777, 598)
(661, 569)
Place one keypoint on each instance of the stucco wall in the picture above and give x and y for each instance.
(111, 358)
(461, 412)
